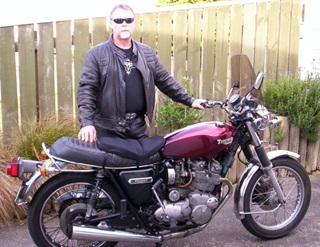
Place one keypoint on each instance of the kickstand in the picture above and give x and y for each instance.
(158, 244)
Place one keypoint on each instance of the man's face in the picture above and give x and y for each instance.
(121, 29)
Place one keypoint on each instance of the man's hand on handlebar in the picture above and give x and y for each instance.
(198, 104)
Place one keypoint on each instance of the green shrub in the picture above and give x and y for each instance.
(297, 99)
(173, 115)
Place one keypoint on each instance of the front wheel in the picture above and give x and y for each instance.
(53, 198)
(265, 216)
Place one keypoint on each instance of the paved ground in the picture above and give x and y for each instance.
(225, 230)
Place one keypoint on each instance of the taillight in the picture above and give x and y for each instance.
(13, 167)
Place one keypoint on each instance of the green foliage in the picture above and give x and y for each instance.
(179, 2)
(297, 99)
(29, 143)
(279, 134)
(175, 115)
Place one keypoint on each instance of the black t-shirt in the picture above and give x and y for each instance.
(135, 96)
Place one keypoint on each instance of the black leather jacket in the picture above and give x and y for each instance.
(101, 93)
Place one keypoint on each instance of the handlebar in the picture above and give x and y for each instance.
(210, 104)
(222, 104)
(277, 121)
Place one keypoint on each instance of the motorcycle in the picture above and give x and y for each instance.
(164, 187)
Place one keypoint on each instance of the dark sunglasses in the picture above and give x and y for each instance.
(121, 20)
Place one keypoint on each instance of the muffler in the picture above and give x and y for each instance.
(94, 233)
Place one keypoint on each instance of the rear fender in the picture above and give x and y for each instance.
(247, 176)
(28, 185)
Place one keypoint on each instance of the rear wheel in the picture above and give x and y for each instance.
(267, 218)
(64, 191)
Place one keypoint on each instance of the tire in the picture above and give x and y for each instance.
(260, 198)
(54, 196)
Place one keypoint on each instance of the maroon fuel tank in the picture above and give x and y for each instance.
(206, 139)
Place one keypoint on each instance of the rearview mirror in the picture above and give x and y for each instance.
(259, 80)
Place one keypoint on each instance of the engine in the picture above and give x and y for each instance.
(189, 197)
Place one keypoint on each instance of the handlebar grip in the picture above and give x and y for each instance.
(207, 104)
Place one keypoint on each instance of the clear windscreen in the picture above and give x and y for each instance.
(242, 70)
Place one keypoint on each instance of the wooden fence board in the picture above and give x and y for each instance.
(164, 52)
(27, 73)
(236, 27)
(312, 156)
(236, 36)
(99, 30)
(65, 88)
(294, 138)
(260, 37)
(303, 147)
(138, 27)
(179, 44)
(149, 30)
(316, 156)
(284, 38)
(222, 58)
(295, 37)
(208, 56)
(193, 49)
(81, 46)
(249, 30)
(46, 87)
(272, 42)
(8, 82)
(165, 38)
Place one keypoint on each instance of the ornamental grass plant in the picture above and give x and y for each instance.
(28, 145)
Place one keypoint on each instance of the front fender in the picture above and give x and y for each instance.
(247, 176)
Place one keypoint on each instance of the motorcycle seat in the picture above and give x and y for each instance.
(77, 151)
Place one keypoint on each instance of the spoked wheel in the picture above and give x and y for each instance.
(48, 225)
(265, 216)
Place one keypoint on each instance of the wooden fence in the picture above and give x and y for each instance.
(40, 63)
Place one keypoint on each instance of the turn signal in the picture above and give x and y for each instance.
(43, 154)
(43, 170)
(13, 167)
(277, 121)
(281, 121)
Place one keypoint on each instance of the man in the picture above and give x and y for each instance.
(117, 84)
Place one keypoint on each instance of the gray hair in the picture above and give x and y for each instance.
(121, 6)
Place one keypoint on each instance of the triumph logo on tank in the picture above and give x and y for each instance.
(225, 141)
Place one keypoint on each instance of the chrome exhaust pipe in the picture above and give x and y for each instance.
(94, 233)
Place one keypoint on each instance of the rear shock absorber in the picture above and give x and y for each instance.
(94, 193)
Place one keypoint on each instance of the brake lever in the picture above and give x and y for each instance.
(208, 104)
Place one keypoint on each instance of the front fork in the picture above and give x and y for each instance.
(266, 164)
